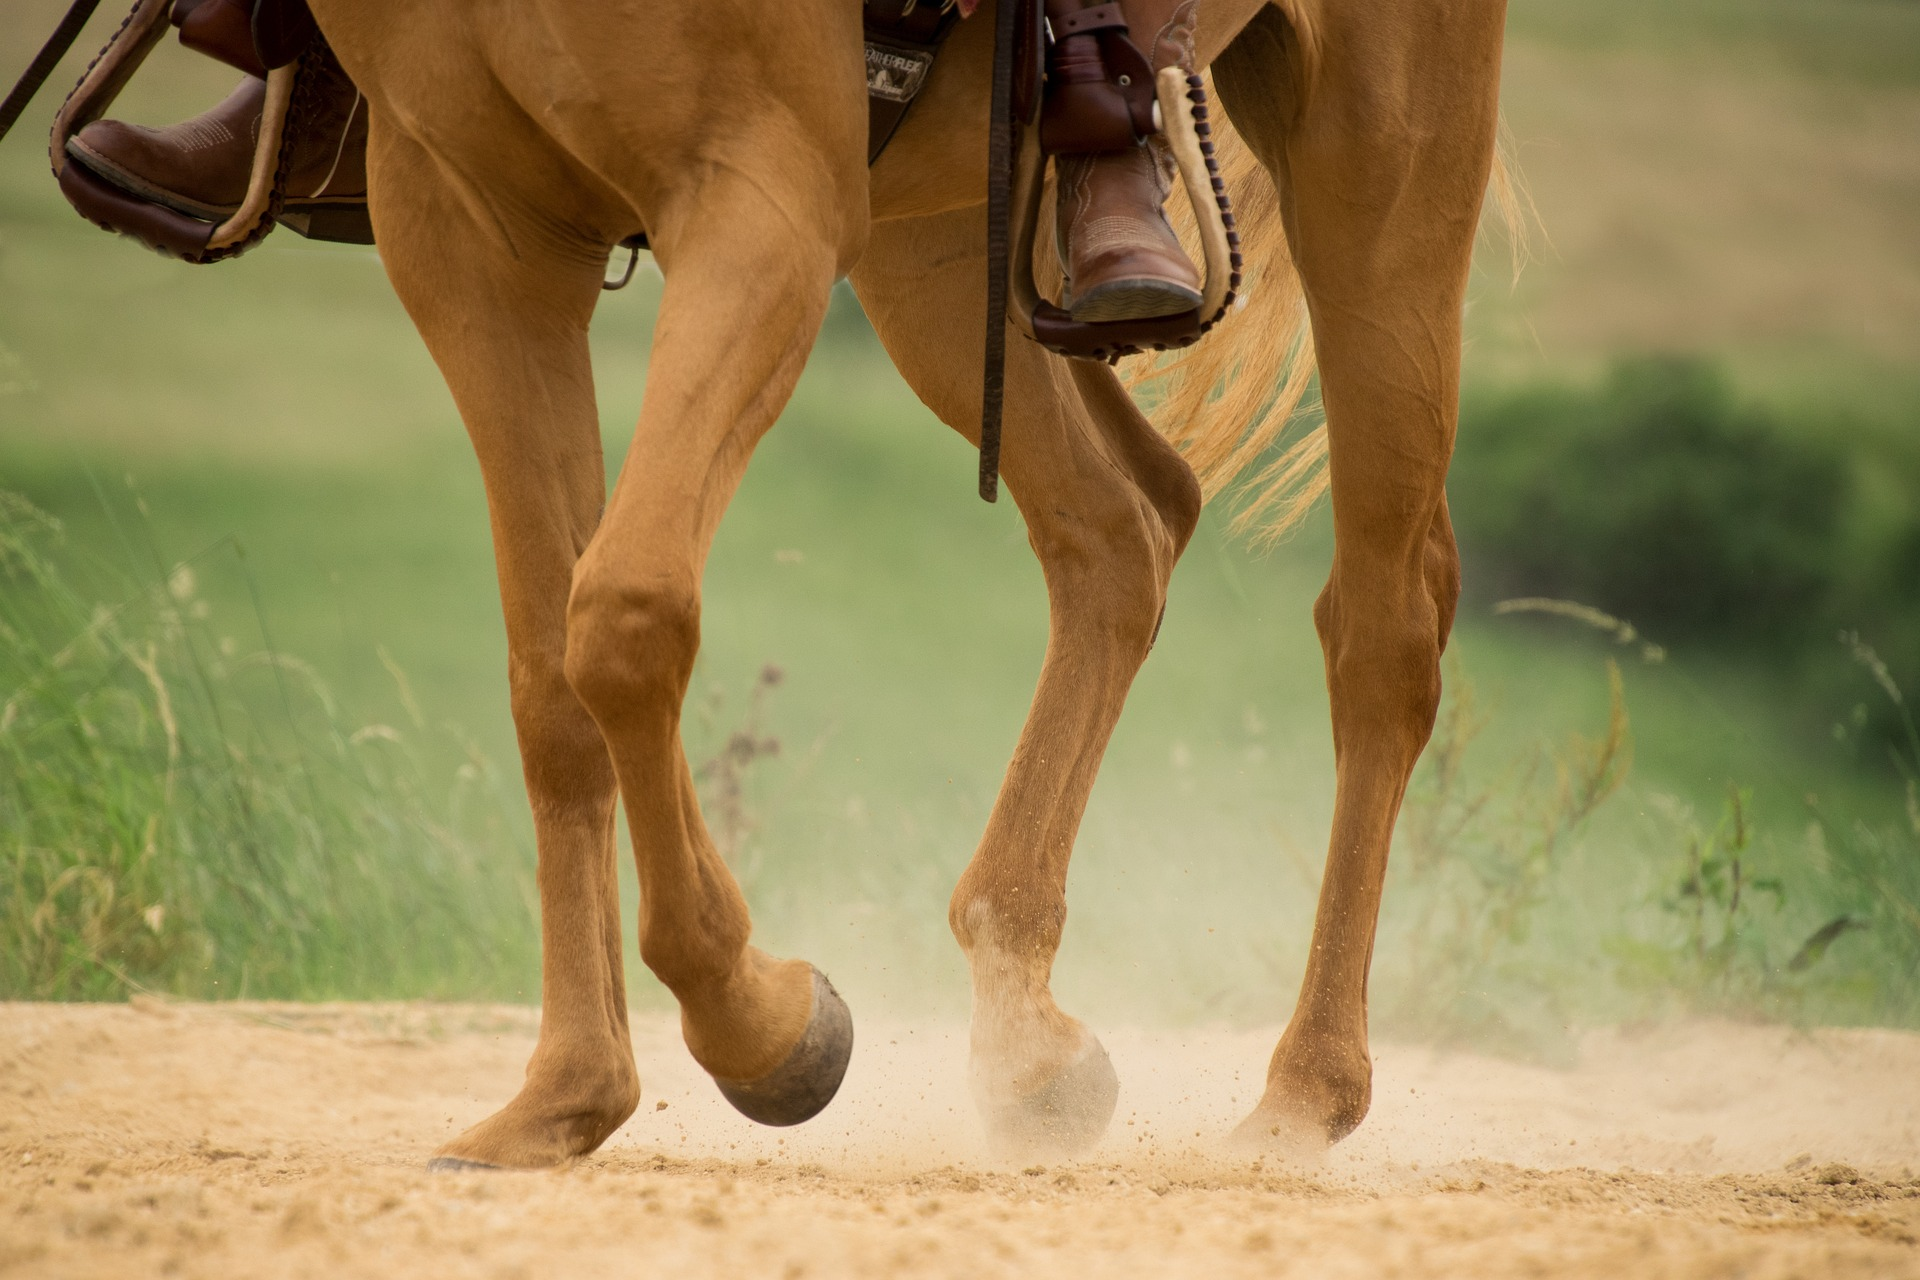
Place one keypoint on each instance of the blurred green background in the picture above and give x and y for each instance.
(289, 769)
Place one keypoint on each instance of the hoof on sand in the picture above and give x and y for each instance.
(1289, 1138)
(1066, 1116)
(801, 1087)
(454, 1164)
(1300, 1121)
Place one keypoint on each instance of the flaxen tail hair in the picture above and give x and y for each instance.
(1236, 404)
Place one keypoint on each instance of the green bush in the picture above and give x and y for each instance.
(1658, 497)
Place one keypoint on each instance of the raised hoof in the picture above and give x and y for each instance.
(1066, 1116)
(801, 1087)
(454, 1164)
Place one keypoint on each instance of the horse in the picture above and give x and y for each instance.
(513, 145)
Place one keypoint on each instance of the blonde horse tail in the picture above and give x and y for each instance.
(1236, 404)
(1228, 401)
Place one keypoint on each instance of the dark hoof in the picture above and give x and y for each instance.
(1066, 1116)
(801, 1087)
(454, 1164)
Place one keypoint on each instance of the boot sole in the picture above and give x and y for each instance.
(1134, 300)
(325, 208)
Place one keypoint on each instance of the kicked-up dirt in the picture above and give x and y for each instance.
(266, 1140)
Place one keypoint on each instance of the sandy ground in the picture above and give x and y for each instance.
(282, 1140)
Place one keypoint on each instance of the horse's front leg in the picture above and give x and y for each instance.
(509, 332)
(749, 267)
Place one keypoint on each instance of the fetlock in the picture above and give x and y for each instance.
(565, 1109)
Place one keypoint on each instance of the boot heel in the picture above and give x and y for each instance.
(341, 224)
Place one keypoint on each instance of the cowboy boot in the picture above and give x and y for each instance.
(201, 167)
(1121, 257)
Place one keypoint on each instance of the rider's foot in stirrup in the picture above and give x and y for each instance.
(1122, 259)
(201, 167)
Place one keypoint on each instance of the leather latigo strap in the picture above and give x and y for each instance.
(902, 38)
(64, 34)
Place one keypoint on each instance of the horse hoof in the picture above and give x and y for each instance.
(1283, 1137)
(801, 1087)
(454, 1164)
(1066, 1116)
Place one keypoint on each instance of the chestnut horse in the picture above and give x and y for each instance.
(512, 145)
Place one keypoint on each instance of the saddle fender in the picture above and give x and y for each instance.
(254, 36)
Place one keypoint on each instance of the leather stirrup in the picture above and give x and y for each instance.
(1181, 109)
(162, 229)
(273, 39)
(1094, 103)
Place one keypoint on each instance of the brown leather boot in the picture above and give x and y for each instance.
(1122, 259)
(201, 167)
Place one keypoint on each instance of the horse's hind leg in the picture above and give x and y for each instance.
(509, 332)
(1109, 506)
(1379, 127)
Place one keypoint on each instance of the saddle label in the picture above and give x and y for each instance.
(895, 75)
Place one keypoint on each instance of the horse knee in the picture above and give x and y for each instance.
(630, 646)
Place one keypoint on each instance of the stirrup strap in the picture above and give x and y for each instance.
(1014, 192)
(64, 34)
(993, 386)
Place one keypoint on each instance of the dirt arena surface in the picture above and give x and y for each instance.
(266, 1140)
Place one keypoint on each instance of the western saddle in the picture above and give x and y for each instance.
(1067, 80)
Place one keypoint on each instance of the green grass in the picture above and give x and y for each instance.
(186, 812)
(283, 405)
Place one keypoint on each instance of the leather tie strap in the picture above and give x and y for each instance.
(1006, 22)
(45, 61)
